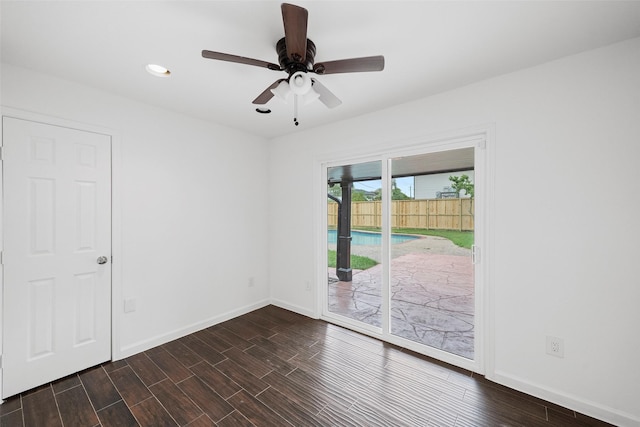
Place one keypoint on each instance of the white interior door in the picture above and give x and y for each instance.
(57, 226)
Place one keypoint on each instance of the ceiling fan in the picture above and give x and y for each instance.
(296, 55)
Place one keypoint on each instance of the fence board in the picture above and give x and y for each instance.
(438, 214)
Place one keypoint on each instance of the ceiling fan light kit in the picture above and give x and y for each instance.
(157, 70)
(296, 56)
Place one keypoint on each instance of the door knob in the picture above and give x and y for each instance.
(102, 260)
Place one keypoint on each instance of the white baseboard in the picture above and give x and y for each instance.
(296, 309)
(575, 403)
(149, 343)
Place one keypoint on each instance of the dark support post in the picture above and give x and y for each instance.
(343, 252)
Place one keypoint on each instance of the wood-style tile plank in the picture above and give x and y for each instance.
(276, 363)
(204, 421)
(255, 411)
(408, 403)
(246, 329)
(288, 409)
(248, 362)
(219, 382)
(65, 383)
(10, 405)
(231, 338)
(205, 351)
(242, 377)
(235, 419)
(281, 351)
(131, 388)
(311, 400)
(216, 342)
(490, 396)
(570, 419)
(99, 387)
(208, 400)
(75, 408)
(332, 367)
(150, 413)
(39, 408)
(112, 366)
(117, 415)
(337, 415)
(181, 408)
(331, 391)
(169, 365)
(182, 353)
(146, 370)
(12, 419)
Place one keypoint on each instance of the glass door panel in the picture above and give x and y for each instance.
(354, 242)
(431, 286)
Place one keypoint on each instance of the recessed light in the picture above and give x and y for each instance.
(263, 110)
(157, 70)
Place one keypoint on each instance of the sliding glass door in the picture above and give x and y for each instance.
(431, 277)
(400, 233)
(354, 242)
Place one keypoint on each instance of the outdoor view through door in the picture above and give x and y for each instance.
(430, 295)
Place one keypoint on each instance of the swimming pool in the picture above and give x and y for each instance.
(365, 238)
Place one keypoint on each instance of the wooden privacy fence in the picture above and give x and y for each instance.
(437, 214)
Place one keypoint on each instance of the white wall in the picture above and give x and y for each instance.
(561, 263)
(190, 235)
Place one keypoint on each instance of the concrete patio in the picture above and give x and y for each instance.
(432, 294)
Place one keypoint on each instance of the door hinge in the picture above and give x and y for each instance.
(1, 159)
(475, 254)
(1, 259)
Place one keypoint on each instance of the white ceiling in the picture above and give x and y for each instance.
(429, 47)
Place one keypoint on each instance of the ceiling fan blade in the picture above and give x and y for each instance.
(266, 96)
(295, 31)
(239, 59)
(326, 96)
(353, 65)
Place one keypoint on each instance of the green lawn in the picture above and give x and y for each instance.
(464, 239)
(357, 262)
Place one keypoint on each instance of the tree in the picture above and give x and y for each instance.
(358, 195)
(396, 192)
(460, 183)
(335, 190)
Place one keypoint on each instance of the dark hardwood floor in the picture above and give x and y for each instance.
(272, 367)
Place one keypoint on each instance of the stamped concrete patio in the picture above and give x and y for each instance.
(432, 293)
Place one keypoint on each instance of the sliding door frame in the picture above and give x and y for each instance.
(480, 139)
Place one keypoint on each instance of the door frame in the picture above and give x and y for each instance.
(481, 138)
(116, 217)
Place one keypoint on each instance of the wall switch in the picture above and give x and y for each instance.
(307, 285)
(251, 282)
(555, 346)
(129, 305)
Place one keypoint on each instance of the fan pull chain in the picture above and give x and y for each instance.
(295, 110)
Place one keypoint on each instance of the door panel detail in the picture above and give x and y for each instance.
(41, 317)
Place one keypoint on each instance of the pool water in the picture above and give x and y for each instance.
(365, 238)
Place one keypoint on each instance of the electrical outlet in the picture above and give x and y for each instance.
(251, 282)
(129, 305)
(555, 346)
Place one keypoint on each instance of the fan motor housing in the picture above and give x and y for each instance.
(291, 66)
